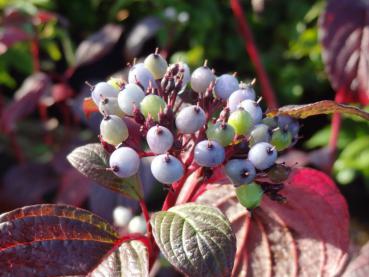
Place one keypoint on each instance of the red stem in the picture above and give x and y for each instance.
(152, 249)
(146, 215)
(146, 154)
(335, 130)
(336, 126)
(171, 198)
(192, 189)
(130, 237)
(266, 88)
(35, 51)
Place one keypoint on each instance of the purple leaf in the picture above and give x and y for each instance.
(98, 44)
(26, 100)
(345, 38)
(27, 184)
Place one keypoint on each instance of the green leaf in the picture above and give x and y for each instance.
(129, 259)
(196, 239)
(320, 138)
(92, 160)
(321, 107)
(355, 148)
(353, 159)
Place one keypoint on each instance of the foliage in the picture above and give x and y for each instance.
(352, 159)
(48, 48)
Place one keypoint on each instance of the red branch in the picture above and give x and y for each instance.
(171, 198)
(146, 215)
(35, 54)
(335, 130)
(266, 88)
(152, 249)
(146, 154)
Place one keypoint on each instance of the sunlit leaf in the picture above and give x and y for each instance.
(317, 108)
(195, 239)
(128, 259)
(92, 160)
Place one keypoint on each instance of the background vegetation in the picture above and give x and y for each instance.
(54, 37)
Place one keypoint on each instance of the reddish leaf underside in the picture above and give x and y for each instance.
(129, 258)
(52, 240)
(345, 39)
(307, 236)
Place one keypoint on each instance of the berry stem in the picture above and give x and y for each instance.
(200, 187)
(146, 154)
(253, 52)
(172, 196)
(192, 188)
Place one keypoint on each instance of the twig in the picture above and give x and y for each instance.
(266, 88)
(335, 131)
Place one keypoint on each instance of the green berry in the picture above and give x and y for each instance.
(221, 132)
(241, 121)
(157, 65)
(260, 133)
(272, 122)
(152, 104)
(113, 130)
(250, 195)
(281, 139)
(109, 106)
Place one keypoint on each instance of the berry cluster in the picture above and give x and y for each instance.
(223, 124)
